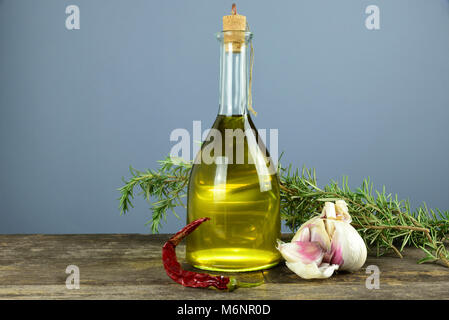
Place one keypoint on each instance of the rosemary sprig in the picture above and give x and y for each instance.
(384, 222)
(163, 189)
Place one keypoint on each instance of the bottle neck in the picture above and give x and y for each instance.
(234, 64)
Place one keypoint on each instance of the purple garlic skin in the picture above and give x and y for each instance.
(324, 244)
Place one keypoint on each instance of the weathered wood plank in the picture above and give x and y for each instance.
(129, 267)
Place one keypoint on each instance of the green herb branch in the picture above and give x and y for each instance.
(164, 189)
(384, 222)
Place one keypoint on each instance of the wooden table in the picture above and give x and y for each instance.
(128, 266)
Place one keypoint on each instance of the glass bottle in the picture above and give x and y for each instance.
(233, 180)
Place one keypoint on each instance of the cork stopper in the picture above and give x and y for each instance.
(234, 22)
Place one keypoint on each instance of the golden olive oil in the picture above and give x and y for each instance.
(241, 199)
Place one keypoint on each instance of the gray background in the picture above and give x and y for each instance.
(78, 107)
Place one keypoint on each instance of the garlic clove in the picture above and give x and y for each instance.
(329, 211)
(328, 214)
(347, 248)
(314, 230)
(312, 270)
(319, 234)
(306, 252)
(301, 233)
(341, 209)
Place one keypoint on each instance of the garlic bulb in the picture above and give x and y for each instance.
(324, 244)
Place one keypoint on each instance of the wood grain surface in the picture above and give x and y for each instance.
(128, 266)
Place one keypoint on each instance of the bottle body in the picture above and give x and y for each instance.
(233, 180)
(241, 198)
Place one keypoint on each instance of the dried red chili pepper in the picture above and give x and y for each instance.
(190, 278)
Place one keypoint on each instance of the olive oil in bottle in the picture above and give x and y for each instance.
(233, 180)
